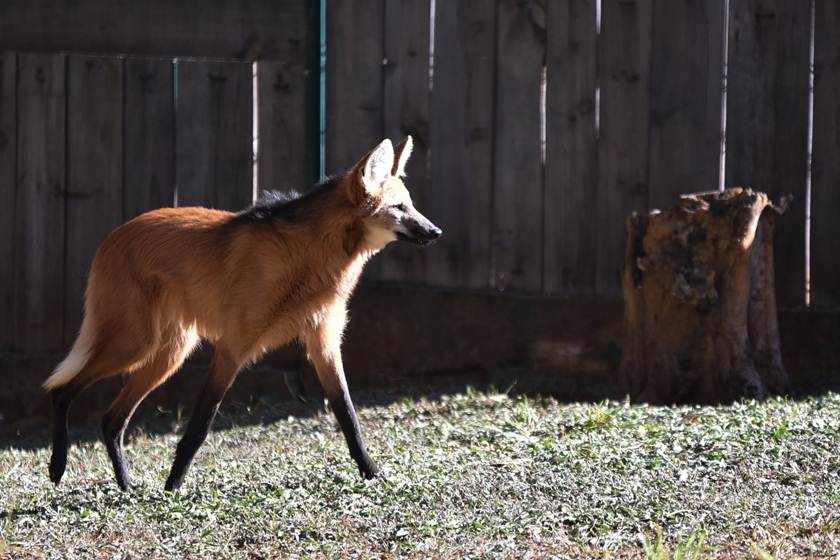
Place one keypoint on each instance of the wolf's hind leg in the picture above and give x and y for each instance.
(61, 398)
(166, 361)
(221, 376)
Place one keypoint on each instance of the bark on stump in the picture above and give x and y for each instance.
(700, 306)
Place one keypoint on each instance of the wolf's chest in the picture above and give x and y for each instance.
(315, 288)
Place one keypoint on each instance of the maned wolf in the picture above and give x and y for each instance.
(249, 282)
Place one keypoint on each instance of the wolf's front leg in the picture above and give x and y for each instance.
(324, 348)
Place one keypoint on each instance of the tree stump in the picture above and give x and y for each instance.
(700, 305)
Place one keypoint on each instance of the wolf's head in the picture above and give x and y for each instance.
(378, 191)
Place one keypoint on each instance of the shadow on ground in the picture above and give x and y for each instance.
(297, 394)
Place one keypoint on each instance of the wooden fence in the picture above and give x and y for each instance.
(539, 126)
(88, 141)
(630, 113)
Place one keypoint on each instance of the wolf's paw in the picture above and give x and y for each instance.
(371, 471)
(125, 483)
(57, 466)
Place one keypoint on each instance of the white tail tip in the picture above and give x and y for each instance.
(66, 370)
(75, 360)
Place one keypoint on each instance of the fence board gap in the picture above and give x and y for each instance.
(517, 248)
(39, 204)
(214, 134)
(94, 170)
(149, 174)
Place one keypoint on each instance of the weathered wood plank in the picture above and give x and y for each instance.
(94, 171)
(825, 185)
(39, 204)
(626, 32)
(406, 111)
(462, 108)
(8, 146)
(355, 50)
(213, 141)
(767, 109)
(248, 29)
(354, 111)
(571, 148)
(685, 99)
(517, 250)
(149, 173)
(281, 117)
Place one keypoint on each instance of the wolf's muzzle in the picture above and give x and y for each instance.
(421, 235)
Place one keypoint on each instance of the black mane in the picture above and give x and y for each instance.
(289, 206)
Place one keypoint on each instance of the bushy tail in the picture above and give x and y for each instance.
(76, 359)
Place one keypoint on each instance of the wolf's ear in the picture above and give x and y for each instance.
(376, 166)
(403, 151)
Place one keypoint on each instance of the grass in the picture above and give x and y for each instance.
(478, 475)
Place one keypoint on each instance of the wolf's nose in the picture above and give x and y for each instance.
(435, 232)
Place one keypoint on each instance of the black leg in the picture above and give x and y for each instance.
(222, 374)
(197, 430)
(61, 399)
(344, 412)
(324, 349)
(112, 431)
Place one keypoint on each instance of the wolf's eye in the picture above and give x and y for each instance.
(400, 207)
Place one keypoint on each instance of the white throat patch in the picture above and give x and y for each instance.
(377, 237)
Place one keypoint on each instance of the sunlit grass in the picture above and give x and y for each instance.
(481, 474)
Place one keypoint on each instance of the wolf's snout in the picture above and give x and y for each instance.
(426, 233)
(432, 233)
(421, 234)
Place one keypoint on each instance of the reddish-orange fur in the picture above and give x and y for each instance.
(247, 291)
(170, 277)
